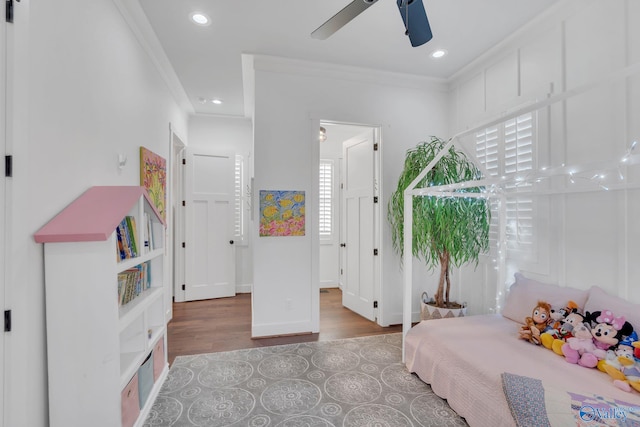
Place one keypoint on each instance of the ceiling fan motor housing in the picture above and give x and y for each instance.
(415, 21)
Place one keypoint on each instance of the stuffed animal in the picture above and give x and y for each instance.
(558, 329)
(608, 331)
(579, 348)
(628, 376)
(625, 349)
(572, 320)
(537, 323)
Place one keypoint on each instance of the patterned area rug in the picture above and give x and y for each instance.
(343, 383)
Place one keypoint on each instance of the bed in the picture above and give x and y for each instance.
(487, 374)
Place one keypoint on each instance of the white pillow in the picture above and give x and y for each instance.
(599, 300)
(524, 294)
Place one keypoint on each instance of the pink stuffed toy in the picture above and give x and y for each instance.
(579, 348)
(606, 333)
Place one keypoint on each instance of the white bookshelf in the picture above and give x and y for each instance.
(96, 346)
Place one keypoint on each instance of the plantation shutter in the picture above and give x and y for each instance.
(326, 198)
(487, 153)
(518, 159)
(507, 149)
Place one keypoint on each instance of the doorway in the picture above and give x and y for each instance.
(350, 214)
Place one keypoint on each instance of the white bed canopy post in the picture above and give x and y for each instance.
(502, 251)
(407, 265)
(407, 256)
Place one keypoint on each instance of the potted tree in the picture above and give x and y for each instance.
(447, 231)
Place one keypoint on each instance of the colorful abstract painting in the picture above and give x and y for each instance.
(153, 177)
(281, 213)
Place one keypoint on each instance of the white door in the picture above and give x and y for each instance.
(209, 218)
(358, 211)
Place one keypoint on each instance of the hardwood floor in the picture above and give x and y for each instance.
(225, 324)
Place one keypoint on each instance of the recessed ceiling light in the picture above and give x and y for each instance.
(438, 53)
(200, 18)
(216, 101)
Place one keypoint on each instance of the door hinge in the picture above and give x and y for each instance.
(8, 15)
(375, 147)
(184, 203)
(7, 320)
(341, 272)
(184, 287)
(341, 186)
(375, 199)
(8, 166)
(184, 245)
(375, 252)
(375, 304)
(184, 161)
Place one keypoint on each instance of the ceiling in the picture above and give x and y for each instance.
(207, 59)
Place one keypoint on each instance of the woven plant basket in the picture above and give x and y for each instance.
(429, 312)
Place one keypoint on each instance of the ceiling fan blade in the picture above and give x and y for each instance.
(342, 18)
(415, 21)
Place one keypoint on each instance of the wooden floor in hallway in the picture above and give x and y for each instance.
(224, 324)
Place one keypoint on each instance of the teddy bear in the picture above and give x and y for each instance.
(537, 323)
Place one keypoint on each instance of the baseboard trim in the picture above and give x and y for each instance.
(281, 329)
(245, 288)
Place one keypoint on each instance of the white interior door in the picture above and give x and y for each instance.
(209, 211)
(358, 210)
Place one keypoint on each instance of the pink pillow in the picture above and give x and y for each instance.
(599, 300)
(524, 294)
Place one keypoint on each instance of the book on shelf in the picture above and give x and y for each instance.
(127, 245)
(152, 233)
(132, 282)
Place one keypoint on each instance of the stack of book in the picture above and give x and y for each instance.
(127, 243)
(132, 282)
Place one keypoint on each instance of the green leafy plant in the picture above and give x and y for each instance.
(447, 230)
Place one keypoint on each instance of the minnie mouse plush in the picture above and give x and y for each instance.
(606, 333)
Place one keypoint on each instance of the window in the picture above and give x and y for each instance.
(326, 198)
(507, 149)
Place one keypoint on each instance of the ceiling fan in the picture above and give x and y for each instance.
(413, 14)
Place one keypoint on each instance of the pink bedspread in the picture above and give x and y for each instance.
(462, 359)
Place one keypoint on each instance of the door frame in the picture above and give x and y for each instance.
(4, 214)
(176, 196)
(377, 212)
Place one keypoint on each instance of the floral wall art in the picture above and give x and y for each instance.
(282, 213)
(153, 177)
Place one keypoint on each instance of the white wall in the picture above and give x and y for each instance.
(83, 91)
(291, 97)
(236, 135)
(582, 239)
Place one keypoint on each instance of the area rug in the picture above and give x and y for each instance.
(343, 383)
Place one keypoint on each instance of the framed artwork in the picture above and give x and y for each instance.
(281, 213)
(153, 177)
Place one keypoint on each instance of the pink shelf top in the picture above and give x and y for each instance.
(94, 215)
